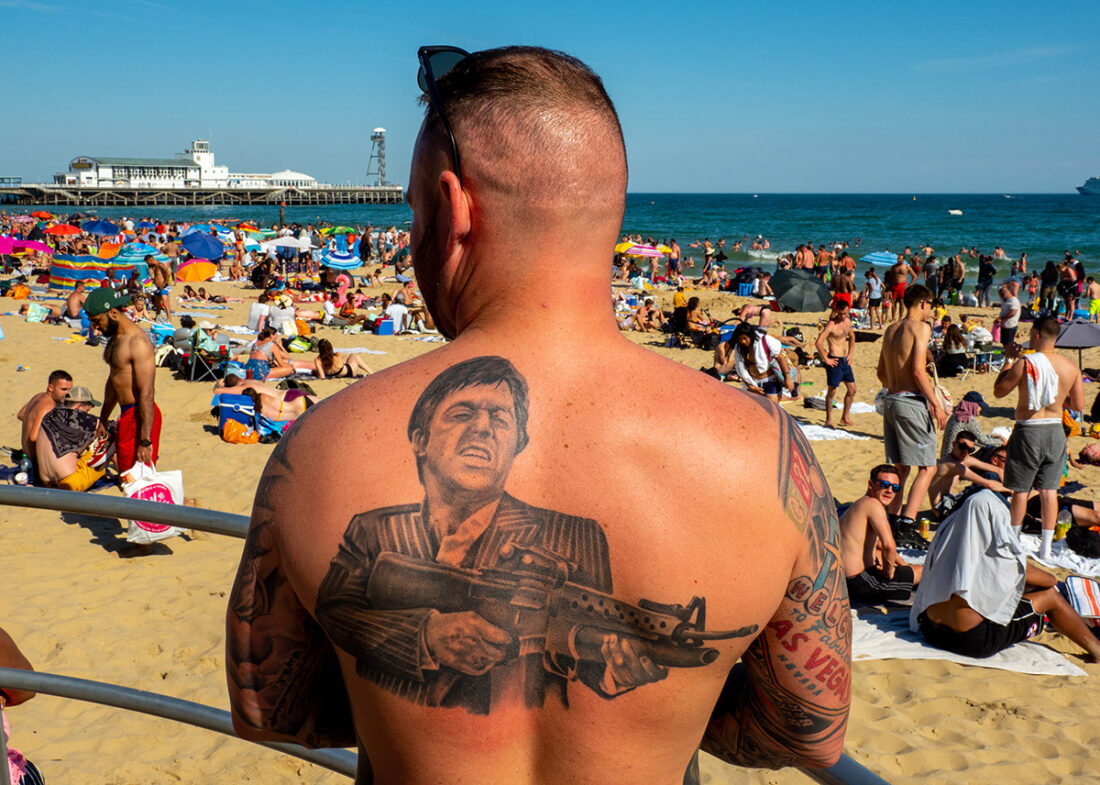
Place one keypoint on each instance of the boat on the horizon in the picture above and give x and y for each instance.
(1090, 188)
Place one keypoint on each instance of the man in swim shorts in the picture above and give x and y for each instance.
(873, 570)
(911, 411)
(162, 280)
(1092, 292)
(1044, 381)
(901, 275)
(458, 599)
(836, 344)
(130, 380)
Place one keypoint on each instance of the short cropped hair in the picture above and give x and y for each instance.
(531, 104)
(881, 469)
(1048, 327)
(231, 380)
(916, 294)
(59, 376)
(489, 371)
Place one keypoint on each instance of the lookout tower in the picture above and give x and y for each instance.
(377, 165)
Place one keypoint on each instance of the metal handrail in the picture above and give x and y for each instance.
(157, 705)
(846, 771)
(118, 507)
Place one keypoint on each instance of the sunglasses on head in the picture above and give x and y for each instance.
(889, 486)
(435, 63)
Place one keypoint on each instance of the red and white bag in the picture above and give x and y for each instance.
(146, 483)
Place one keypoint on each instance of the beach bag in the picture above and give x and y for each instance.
(880, 402)
(1084, 541)
(1071, 425)
(942, 395)
(236, 432)
(299, 345)
(146, 483)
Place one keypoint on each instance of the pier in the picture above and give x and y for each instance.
(191, 196)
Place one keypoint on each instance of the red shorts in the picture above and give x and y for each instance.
(845, 296)
(126, 451)
(899, 292)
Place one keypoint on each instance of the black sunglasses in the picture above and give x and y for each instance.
(436, 62)
(889, 486)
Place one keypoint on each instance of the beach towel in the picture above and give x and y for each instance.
(888, 637)
(764, 350)
(1042, 381)
(819, 433)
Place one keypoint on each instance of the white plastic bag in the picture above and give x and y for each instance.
(146, 483)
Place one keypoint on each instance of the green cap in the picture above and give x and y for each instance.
(104, 299)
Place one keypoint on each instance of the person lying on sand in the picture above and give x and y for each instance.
(329, 363)
(287, 406)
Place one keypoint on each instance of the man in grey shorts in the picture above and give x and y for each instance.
(1045, 381)
(911, 405)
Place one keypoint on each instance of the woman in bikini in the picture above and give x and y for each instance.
(285, 408)
(329, 364)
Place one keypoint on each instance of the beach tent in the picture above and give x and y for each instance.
(66, 270)
(880, 258)
(196, 270)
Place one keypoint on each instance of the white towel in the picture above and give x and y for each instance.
(764, 358)
(1042, 381)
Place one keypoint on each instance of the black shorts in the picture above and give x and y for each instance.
(987, 638)
(872, 587)
(874, 302)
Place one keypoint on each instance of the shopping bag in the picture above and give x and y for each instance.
(146, 483)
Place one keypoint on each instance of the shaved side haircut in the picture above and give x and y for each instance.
(537, 126)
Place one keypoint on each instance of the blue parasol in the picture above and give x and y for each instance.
(145, 225)
(338, 260)
(203, 246)
(99, 227)
(880, 258)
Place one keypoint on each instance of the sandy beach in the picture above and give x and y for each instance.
(77, 607)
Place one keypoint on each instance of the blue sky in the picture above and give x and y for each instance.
(714, 97)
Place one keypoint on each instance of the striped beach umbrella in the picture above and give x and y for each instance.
(341, 260)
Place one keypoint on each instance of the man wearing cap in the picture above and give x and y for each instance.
(71, 457)
(129, 354)
(411, 614)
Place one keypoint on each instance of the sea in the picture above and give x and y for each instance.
(1043, 226)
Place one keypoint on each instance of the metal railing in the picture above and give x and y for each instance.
(846, 771)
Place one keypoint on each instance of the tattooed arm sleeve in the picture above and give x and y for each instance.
(786, 704)
(284, 680)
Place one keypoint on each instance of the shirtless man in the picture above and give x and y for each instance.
(130, 380)
(673, 261)
(73, 303)
(67, 455)
(843, 284)
(873, 569)
(1092, 294)
(902, 276)
(488, 447)
(837, 344)
(162, 280)
(1037, 447)
(648, 317)
(912, 412)
(57, 387)
(960, 464)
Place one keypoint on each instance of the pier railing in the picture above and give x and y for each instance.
(845, 772)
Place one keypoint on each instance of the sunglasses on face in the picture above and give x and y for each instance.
(886, 485)
(435, 63)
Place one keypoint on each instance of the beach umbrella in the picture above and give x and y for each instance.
(1078, 335)
(100, 227)
(880, 258)
(247, 227)
(197, 270)
(145, 225)
(10, 245)
(23, 219)
(62, 229)
(800, 290)
(133, 253)
(42, 214)
(638, 250)
(203, 246)
(301, 243)
(108, 250)
(341, 260)
(338, 230)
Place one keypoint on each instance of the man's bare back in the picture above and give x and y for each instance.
(463, 533)
(904, 346)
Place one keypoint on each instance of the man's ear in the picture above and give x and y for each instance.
(419, 440)
(459, 207)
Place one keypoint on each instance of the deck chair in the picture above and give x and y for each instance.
(203, 362)
(679, 334)
(980, 359)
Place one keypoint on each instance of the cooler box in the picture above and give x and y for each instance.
(726, 330)
(632, 299)
(385, 327)
(234, 407)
